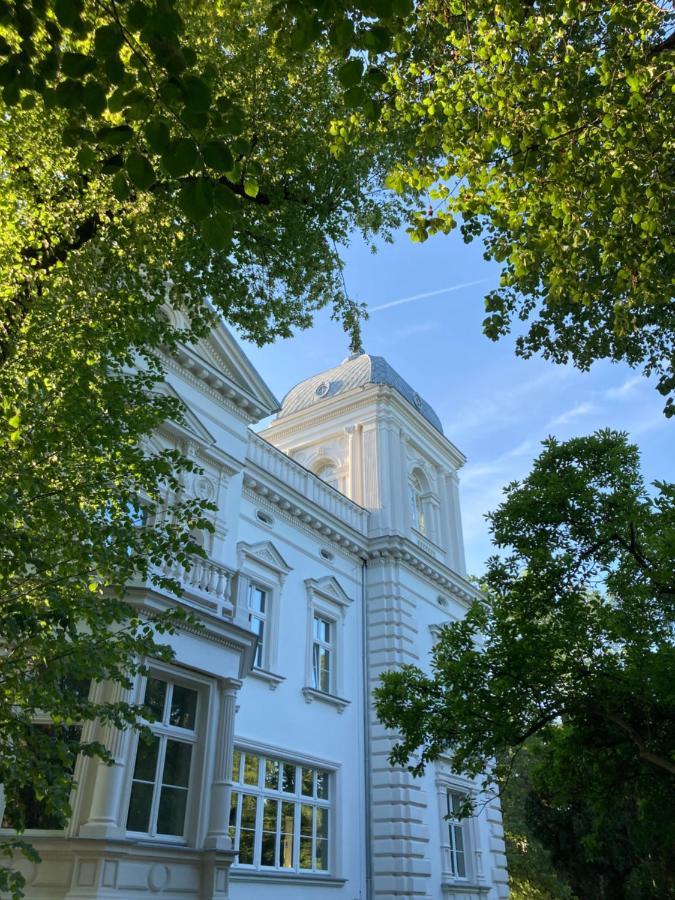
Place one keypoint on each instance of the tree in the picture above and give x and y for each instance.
(573, 641)
(150, 154)
(547, 128)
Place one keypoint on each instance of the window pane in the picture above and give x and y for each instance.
(183, 707)
(272, 774)
(155, 694)
(247, 830)
(308, 782)
(321, 823)
(305, 853)
(288, 779)
(146, 759)
(177, 763)
(171, 816)
(246, 839)
(324, 670)
(248, 807)
(287, 829)
(138, 818)
(258, 627)
(322, 785)
(269, 833)
(236, 766)
(251, 768)
(257, 599)
(234, 802)
(306, 820)
(321, 629)
(321, 855)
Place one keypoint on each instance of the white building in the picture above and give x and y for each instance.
(338, 543)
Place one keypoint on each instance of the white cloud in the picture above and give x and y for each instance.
(626, 388)
(446, 290)
(581, 409)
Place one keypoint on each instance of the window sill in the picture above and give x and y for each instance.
(452, 887)
(241, 874)
(339, 703)
(273, 680)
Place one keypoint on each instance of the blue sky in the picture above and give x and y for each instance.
(495, 407)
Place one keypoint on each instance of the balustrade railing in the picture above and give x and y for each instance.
(290, 473)
(204, 583)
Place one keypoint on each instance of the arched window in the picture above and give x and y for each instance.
(418, 489)
(327, 472)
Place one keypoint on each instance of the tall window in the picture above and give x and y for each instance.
(417, 503)
(322, 654)
(457, 829)
(257, 617)
(161, 779)
(280, 814)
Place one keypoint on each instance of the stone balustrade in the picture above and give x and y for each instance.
(292, 475)
(205, 583)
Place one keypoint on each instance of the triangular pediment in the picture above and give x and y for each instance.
(329, 588)
(189, 425)
(264, 553)
(221, 350)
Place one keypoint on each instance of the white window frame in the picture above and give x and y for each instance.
(263, 566)
(261, 616)
(166, 732)
(326, 599)
(329, 649)
(448, 783)
(261, 792)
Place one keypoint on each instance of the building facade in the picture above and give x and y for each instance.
(336, 554)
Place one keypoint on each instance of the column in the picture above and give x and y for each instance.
(106, 819)
(218, 837)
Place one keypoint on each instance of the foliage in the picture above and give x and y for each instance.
(77, 478)
(547, 128)
(186, 124)
(150, 152)
(532, 875)
(576, 628)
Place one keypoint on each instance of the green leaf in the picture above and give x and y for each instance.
(196, 93)
(140, 171)
(120, 187)
(68, 12)
(86, 159)
(251, 187)
(137, 16)
(217, 155)
(157, 134)
(94, 98)
(196, 199)
(217, 231)
(350, 73)
(181, 157)
(225, 199)
(75, 65)
(115, 135)
(108, 40)
(355, 96)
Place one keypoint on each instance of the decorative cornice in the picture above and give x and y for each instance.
(403, 550)
(257, 488)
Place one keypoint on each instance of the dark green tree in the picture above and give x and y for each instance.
(573, 641)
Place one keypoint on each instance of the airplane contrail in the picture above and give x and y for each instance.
(445, 290)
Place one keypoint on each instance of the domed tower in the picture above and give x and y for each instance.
(364, 430)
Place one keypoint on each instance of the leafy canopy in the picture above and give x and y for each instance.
(573, 640)
(547, 129)
(150, 153)
(187, 123)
